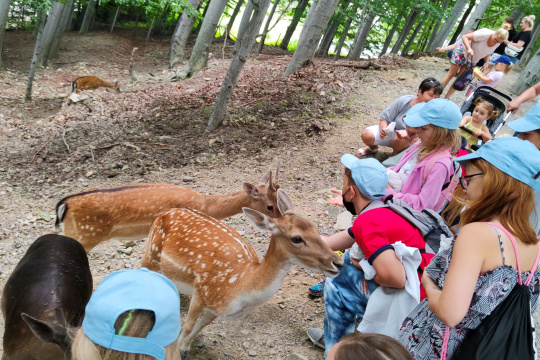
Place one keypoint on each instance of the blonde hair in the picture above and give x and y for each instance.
(513, 212)
(502, 32)
(529, 20)
(493, 114)
(371, 346)
(442, 139)
(508, 68)
(140, 324)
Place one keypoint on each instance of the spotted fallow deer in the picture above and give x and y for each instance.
(210, 261)
(127, 212)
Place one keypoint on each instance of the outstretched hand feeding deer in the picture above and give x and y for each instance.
(127, 212)
(210, 261)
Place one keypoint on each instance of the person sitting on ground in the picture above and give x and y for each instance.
(375, 230)
(529, 130)
(450, 48)
(522, 39)
(499, 51)
(477, 45)
(359, 346)
(527, 95)
(468, 280)
(483, 110)
(376, 135)
(132, 315)
(493, 78)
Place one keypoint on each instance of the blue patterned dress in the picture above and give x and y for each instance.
(422, 332)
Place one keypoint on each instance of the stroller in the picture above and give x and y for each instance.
(495, 97)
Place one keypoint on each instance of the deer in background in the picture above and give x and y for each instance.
(210, 261)
(91, 83)
(127, 212)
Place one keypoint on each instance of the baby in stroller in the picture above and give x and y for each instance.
(483, 111)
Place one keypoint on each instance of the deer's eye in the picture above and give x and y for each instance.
(297, 240)
(270, 208)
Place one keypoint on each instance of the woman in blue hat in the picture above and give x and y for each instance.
(468, 280)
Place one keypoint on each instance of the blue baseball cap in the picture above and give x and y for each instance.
(503, 59)
(530, 122)
(415, 109)
(127, 290)
(515, 157)
(439, 112)
(368, 174)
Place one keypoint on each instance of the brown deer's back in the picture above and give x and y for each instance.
(91, 83)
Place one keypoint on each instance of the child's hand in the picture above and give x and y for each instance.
(477, 133)
(338, 200)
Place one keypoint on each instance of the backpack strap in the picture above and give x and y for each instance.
(513, 241)
(444, 153)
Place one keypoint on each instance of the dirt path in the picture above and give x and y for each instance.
(308, 126)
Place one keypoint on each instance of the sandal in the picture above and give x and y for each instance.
(366, 150)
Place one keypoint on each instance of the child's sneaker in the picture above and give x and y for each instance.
(317, 290)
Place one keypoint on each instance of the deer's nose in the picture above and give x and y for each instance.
(338, 265)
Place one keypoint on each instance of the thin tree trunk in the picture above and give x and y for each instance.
(4, 10)
(70, 16)
(528, 51)
(436, 27)
(529, 77)
(516, 15)
(390, 36)
(424, 38)
(90, 9)
(344, 36)
(49, 31)
(205, 10)
(237, 65)
(405, 32)
(356, 51)
(316, 21)
(415, 34)
(360, 26)
(115, 17)
(266, 26)
(94, 16)
(328, 37)
(248, 11)
(181, 35)
(39, 17)
(298, 12)
(448, 24)
(234, 14)
(60, 29)
(476, 16)
(35, 58)
(150, 29)
(199, 55)
(461, 24)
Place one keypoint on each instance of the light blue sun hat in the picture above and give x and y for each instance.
(368, 174)
(529, 122)
(439, 112)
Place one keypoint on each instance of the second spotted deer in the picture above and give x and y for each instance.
(210, 261)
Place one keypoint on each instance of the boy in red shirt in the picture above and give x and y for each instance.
(374, 230)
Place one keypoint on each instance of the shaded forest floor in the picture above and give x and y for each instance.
(155, 132)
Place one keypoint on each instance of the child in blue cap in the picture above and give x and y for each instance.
(468, 280)
(132, 315)
(503, 65)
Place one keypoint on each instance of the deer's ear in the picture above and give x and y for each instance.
(250, 189)
(259, 220)
(49, 332)
(284, 202)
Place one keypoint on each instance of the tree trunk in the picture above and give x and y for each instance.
(415, 34)
(70, 16)
(64, 20)
(476, 16)
(94, 15)
(461, 24)
(199, 55)
(150, 29)
(425, 37)
(328, 37)
(528, 51)
(238, 62)
(181, 35)
(4, 9)
(405, 31)
(198, 28)
(344, 36)
(266, 26)
(39, 18)
(90, 9)
(234, 14)
(529, 77)
(316, 21)
(390, 36)
(360, 25)
(449, 24)
(363, 32)
(430, 46)
(517, 14)
(115, 17)
(298, 12)
(248, 11)
(49, 31)
(35, 58)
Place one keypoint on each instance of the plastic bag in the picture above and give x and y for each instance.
(389, 134)
(463, 80)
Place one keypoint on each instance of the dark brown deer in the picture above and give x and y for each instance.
(90, 83)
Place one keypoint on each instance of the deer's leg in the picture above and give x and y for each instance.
(193, 324)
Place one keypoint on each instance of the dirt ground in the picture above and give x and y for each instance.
(155, 132)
